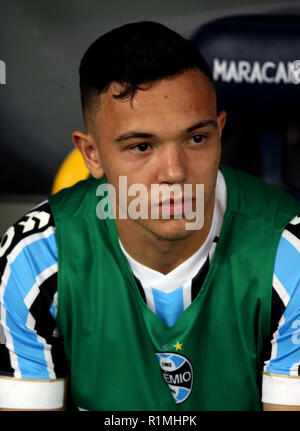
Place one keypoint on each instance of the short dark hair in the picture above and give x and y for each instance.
(135, 54)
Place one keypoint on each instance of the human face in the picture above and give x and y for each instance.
(167, 134)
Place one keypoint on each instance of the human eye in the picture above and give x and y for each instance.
(141, 148)
(196, 139)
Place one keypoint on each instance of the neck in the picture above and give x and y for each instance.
(162, 255)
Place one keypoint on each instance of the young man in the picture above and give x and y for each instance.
(144, 313)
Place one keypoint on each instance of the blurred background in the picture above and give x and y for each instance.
(41, 44)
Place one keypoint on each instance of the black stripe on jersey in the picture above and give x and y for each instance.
(140, 287)
(294, 229)
(6, 369)
(277, 310)
(45, 323)
(199, 279)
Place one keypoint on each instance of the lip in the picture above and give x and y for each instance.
(177, 206)
(178, 200)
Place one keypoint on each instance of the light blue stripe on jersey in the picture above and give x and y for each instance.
(41, 254)
(287, 265)
(168, 306)
(287, 270)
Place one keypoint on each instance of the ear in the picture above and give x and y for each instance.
(88, 148)
(221, 120)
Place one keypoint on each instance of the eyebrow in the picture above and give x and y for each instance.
(143, 135)
(131, 135)
(201, 124)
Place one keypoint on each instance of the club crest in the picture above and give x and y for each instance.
(177, 372)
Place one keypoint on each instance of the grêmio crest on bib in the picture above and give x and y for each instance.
(177, 372)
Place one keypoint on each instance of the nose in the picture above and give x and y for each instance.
(172, 164)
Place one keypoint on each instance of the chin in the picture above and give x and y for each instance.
(167, 230)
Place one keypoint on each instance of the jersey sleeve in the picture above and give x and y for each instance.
(281, 377)
(32, 362)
